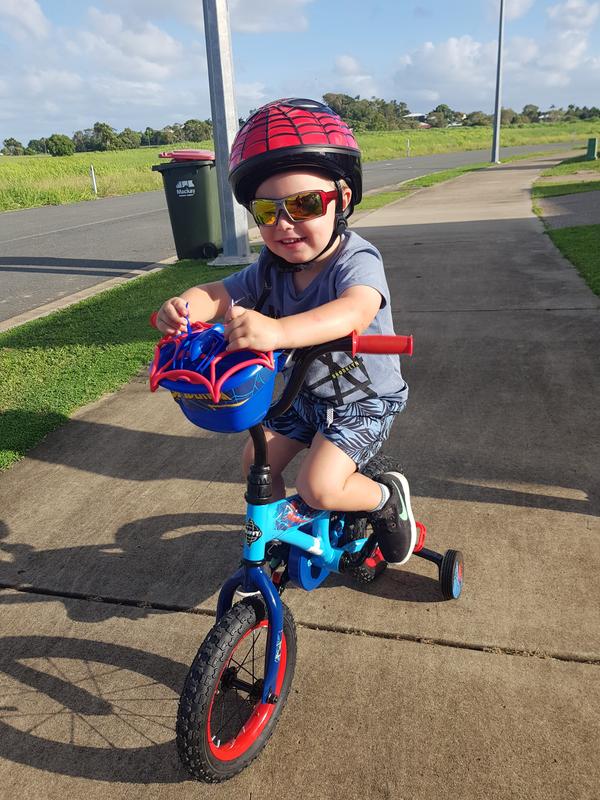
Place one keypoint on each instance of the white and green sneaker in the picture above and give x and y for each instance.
(395, 524)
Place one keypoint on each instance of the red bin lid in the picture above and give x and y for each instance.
(189, 155)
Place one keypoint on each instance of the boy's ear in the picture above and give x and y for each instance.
(346, 197)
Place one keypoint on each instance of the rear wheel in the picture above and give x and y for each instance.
(222, 723)
(451, 574)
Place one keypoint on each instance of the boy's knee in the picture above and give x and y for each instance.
(318, 494)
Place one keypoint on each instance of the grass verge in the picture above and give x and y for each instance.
(581, 246)
(559, 189)
(56, 364)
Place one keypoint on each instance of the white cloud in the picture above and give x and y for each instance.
(250, 94)
(574, 15)
(23, 18)
(42, 81)
(142, 52)
(448, 71)
(352, 78)
(262, 16)
(517, 8)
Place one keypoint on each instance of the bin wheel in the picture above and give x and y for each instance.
(209, 250)
(451, 574)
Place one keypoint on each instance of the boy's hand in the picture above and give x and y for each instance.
(172, 316)
(246, 329)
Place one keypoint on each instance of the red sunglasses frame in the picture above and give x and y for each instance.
(326, 198)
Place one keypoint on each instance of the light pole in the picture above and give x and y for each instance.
(234, 222)
(498, 110)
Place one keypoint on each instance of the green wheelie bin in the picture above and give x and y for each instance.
(190, 181)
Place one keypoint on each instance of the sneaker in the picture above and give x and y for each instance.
(394, 524)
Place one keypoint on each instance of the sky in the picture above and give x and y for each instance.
(65, 64)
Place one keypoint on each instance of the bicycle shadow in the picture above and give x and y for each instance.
(154, 564)
(394, 584)
(89, 709)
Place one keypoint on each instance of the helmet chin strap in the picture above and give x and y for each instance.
(341, 223)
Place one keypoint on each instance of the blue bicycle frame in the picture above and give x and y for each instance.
(313, 555)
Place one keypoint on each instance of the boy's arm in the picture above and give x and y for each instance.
(204, 303)
(355, 309)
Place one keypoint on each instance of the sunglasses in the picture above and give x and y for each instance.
(299, 207)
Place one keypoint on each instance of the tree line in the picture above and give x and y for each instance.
(104, 137)
(361, 114)
(380, 115)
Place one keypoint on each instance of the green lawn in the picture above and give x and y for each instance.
(559, 189)
(572, 165)
(581, 245)
(56, 364)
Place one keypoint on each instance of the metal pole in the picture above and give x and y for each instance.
(93, 177)
(498, 110)
(234, 222)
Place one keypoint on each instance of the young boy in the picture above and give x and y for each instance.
(296, 166)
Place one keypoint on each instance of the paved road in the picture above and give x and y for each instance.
(52, 252)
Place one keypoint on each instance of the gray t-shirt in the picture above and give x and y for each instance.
(334, 378)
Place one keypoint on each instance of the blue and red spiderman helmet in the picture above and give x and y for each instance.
(295, 133)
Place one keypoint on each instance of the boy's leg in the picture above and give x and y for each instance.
(328, 480)
(281, 450)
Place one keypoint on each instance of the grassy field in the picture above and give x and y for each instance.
(28, 181)
(56, 364)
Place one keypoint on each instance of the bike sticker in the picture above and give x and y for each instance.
(253, 532)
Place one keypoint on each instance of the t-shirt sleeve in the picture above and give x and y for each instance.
(363, 268)
(245, 287)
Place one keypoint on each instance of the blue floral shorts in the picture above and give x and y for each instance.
(358, 429)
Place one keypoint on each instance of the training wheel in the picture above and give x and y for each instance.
(451, 574)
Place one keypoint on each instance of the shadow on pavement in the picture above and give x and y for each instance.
(173, 561)
(89, 709)
(68, 266)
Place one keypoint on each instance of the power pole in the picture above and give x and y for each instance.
(234, 221)
(498, 111)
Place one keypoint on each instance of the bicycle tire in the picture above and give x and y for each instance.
(212, 748)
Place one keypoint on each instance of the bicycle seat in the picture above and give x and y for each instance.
(216, 390)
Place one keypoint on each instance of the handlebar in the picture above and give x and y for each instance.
(351, 344)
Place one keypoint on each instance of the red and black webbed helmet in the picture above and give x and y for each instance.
(294, 133)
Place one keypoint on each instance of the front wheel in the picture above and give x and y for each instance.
(222, 723)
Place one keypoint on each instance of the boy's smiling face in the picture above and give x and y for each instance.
(298, 242)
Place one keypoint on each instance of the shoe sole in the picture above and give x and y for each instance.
(413, 526)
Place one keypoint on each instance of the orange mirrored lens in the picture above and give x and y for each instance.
(299, 207)
(264, 211)
(303, 206)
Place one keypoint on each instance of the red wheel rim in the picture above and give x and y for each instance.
(259, 717)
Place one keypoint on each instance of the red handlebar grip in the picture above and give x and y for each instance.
(382, 344)
(153, 318)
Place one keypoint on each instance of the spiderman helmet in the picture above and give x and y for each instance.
(295, 134)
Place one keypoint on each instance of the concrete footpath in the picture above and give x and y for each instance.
(128, 516)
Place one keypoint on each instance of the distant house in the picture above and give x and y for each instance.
(420, 118)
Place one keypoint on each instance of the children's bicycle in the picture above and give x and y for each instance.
(241, 676)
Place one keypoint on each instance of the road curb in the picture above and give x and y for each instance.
(76, 297)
